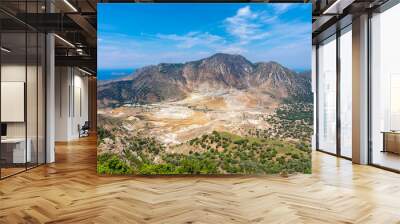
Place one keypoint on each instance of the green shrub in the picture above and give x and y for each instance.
(295, 156)
(151, 169)
(111, 164)
(103, 133)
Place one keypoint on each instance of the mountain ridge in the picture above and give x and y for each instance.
(175, 81)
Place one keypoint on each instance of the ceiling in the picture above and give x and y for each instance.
(331, 15)
(75, 22)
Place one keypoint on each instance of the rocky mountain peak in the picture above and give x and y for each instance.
(220, 71)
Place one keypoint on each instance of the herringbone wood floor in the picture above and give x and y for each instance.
(69, 191)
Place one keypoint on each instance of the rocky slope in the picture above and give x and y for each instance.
(220, 72)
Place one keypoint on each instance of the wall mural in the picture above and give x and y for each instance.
(204, 89)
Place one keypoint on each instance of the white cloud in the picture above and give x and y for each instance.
(258, 35)
(246, 25)
(212, 42)
(281, 8)
(246, 12)
(232, 49)
(192, 39)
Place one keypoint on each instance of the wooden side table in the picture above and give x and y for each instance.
(391, 141)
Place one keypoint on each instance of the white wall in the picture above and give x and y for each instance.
(80, 110)
(17, 73)
(12, 73)
(33, 126)
(71, 87)
(62, 81)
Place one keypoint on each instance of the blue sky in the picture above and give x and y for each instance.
(135, 35)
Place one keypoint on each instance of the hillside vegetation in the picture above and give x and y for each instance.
(220, 153)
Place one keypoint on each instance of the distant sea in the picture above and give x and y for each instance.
(109, 74)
